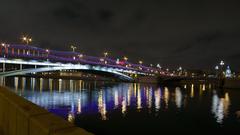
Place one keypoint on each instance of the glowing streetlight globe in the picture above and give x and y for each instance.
(222, 63)
(105, 54)
(125, 58)
(73, 48)
(26, 39)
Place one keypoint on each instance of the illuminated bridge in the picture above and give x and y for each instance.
(42, 60)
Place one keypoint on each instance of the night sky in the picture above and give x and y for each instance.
(192, 34)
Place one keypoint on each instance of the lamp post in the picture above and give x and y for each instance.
(73, 48)
(26, 39)
(180, 71)
(140, 62)
(221, 64)
(125, 58)
(105, 54)
(216, 68)
(47, 51)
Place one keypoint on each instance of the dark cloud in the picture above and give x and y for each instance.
(194, 34)
(105, 15)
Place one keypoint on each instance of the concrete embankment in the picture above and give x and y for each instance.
(232, 83)
(21, 117)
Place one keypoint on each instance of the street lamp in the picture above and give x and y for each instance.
(217, 68)
(47, 51)
(221, 71)
(105, 54)
(73, 48)
(222, 63)
(26, 39)
(125, 58)
(140, 62)
(3, 44)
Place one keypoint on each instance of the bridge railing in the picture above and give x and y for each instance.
(35, 53)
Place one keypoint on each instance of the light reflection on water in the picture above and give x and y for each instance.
(71, 98)
(220, 106)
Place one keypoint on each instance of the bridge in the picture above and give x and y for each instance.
(41, 60)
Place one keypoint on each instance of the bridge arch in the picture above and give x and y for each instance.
(59, 68)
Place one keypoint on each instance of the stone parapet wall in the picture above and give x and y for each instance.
(21, 117)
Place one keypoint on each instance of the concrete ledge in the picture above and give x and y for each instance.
(21, 117)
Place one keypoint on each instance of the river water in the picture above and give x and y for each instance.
(134, 108)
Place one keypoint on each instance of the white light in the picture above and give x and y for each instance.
(222, 63)
(158, 65)
(117, 61)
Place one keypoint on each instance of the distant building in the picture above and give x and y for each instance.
(228, 73)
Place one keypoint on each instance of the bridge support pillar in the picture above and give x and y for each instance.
(12, 51)
(20, 66)
(35, 66)
(3, 67)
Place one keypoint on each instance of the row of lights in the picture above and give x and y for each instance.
(28, 40)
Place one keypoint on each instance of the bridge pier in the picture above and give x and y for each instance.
(12, 51)
(20, 67)
(4, 67)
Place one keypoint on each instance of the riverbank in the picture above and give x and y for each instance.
(21, 117)
(232, 83)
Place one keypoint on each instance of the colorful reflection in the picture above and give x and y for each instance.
(220, 106)
(77, 97)
(178, 97)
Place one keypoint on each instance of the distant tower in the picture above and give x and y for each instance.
(228, 72)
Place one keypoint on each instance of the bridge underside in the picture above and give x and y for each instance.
(98, 71)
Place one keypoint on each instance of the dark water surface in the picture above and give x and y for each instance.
(133, 108)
